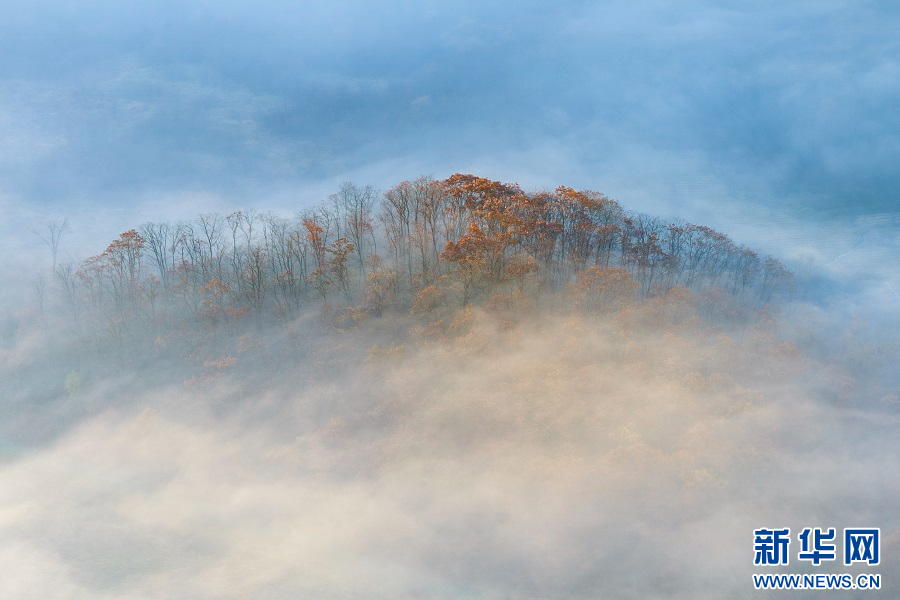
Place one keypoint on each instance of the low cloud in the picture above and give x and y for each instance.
(569, 456)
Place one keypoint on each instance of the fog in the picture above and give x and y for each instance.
(573, 456)
(541, 451)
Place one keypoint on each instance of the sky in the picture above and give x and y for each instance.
(789, 100)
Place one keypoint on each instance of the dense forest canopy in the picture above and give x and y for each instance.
(459, 241)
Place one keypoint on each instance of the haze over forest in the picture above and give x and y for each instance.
(443, 301)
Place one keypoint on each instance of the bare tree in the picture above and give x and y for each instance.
(54, 232)
(159, 238)
(354, 207)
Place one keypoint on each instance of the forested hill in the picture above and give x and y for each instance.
(443, 385)
(455, 242)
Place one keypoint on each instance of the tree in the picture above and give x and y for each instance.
(55, 231)
(318, 277)
(494, 227)
(354, 206)
(642, 249)
(776, 279)
(337, 266)
(469, 254)
(159, 241)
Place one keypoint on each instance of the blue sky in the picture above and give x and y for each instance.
(717, 112)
